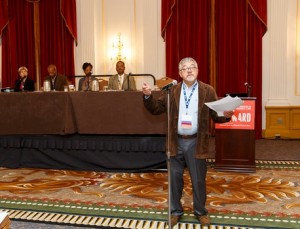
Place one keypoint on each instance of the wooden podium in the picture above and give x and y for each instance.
(235, 140)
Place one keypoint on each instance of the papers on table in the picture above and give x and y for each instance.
(226, 104)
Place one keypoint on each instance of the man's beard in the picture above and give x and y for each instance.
(190, 78)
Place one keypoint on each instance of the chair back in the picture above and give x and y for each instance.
(102, 84)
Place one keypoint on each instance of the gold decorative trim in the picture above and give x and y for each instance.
(163, 31)
(254, 11)
(66, 24)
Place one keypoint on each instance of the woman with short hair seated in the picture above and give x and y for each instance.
(24, 83)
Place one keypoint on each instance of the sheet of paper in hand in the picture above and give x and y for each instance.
(227, 103)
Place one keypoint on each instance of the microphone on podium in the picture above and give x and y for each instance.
(248, 86)
(169, 85)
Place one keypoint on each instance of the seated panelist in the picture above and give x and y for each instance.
(57, 81)
(85, 83)
(120, 80)
(24, 83)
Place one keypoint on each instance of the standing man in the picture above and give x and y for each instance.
(189, 135)
(120, 80)
(57, 80)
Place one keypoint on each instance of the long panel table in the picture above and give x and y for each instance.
(80, 130)
(112, 112)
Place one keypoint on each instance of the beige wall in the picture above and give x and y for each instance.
(138, 22)
(281, 76)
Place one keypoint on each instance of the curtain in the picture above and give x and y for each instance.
(231, 46)
(257, 27)
(185, 28)
(225, 35)
(57, 40)
(57, 26)
(239, 30)
(17, 42)
(3, 15)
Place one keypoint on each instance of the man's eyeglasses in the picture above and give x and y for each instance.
(188, 69)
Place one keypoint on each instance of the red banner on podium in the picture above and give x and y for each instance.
(243, 117)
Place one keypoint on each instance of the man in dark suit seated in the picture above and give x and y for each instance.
(57, 81)
(24, 83)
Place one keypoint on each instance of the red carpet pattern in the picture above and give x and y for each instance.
(268, 198)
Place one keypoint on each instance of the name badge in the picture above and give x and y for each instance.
(186, 122)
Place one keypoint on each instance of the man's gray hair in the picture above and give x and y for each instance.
(186, 59)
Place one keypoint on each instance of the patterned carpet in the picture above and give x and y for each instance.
(268, 198)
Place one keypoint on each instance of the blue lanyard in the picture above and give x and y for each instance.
(187, 101)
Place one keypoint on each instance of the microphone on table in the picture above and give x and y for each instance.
(169, 85)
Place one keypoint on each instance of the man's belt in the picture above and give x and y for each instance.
(187, 136)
